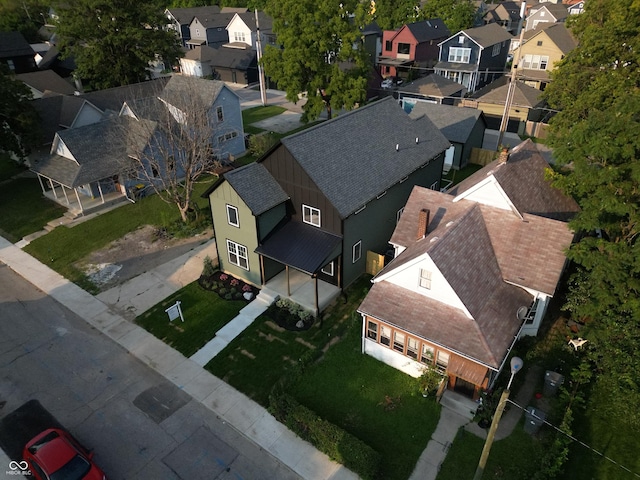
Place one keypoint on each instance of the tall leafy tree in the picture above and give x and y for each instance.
(18, 118)
(456, 14)
(113, 41)
(596, 135)
(321, 53)
(24, 16)
(392, 14)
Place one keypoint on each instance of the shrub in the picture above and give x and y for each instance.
(222, 291)
(330, 439)
(228, 296)
(259, 144)
(208, 268)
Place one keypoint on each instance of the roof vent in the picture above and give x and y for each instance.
(417, 140)
(434, 239)
(397, 147)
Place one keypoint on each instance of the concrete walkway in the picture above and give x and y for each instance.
(245, 415)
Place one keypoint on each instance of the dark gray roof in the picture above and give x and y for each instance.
(372, 29)
(266, 22)
(455, 123)
(56, 112)
(13, 44)
(214, 20)
(353, 157)
(300, 246)
(113, 98)
(433, 85)
(256, 187)
(181, 87)
(225, 57)
(558, 10)
(496, 93)
(96, 149)
(46, 81)
(488, 35)
(427, 30)
(185, 15)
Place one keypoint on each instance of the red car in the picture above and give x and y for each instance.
(56, 455)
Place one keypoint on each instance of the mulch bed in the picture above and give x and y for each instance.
(227, 286)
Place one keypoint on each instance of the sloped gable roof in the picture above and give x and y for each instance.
(223, 57)
(561, 36)
(353, 158)
(488, 35)
(496, 93)
(256, 187)
(213, 20)
(46, 81)
(433, 85)
(13, 44)
(249, 18)
(185, 15)
(180, 87)
(455, 123)
(522, 179)
(428, 30)
(557, 10)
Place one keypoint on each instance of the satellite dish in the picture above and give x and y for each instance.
(522, 313)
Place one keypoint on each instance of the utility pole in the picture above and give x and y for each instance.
(263, 92)
(512, 82)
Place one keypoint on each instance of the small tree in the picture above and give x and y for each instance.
(18, 118)
(173, 140)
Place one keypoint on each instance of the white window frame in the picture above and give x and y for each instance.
(328, 269)
(357, 247)
(434, 185)
(220, 114)
(459, 55)
(240, 253)
(496, 50)
(399, 214)
(308, 213)
(425, 278)
(239, 37)
(231, 208)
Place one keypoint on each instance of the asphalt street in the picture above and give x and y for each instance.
(140, 425)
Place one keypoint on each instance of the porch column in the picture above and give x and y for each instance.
(78, 198)
(64, 191)
(41, 184)
(100, 190)
(315, 284)
(288, 286)
(261, 269)
(53, 189)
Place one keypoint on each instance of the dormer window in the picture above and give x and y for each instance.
(425, 279)
(461, 39)
(239, 37)
(311, 215)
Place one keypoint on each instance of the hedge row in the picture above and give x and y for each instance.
(330, 439)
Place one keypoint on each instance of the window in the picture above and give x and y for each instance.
(459, 55)
(461, 39)
(221, 139)
(232, 216)
(426, 356)
(388, 46)
(543, 62)
(404, 48)
(443, 360)
(425, 279)
(531, 314)
(434, 185)
(398, 342)
(237, 254)
(239, 37)
(496, 50)
(311, 215)
(385, 335)
(412, 347)
(535, 62)
(357, 251)
(539, 44)
(387, 69)
(328, 269)
(220, 114)
(11, 65)
(399, 214)
(372, 330)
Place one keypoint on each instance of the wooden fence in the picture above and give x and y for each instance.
(480, 156)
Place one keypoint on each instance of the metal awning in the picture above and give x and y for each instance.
(301, 246)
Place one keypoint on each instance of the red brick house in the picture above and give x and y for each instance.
(412, 45)
(473, 271)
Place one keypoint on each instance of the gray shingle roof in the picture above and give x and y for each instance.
(455, 123)
(13, 44)
(353, 157)
(46, 81)
(185, 15)
(266, 22)
(113, 98)
(558, 33)
(433, 85)
(224, 57)
(488, 35)
(522, 179)
(496, 93)
(256, 187)
(180, 88)
(215, 20)
(427, 30)
(558, 10)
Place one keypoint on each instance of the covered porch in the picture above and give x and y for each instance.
(77, 202)
(311, 293)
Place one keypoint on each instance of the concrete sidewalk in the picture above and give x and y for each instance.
(245, 415)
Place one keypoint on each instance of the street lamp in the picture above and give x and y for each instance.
(516, 365)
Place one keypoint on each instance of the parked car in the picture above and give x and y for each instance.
(391, 82)
(55, 454)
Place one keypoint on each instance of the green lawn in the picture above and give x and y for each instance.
(63, 247)
(204, 314)
(345, 387)
(24, 209)
(256, 114)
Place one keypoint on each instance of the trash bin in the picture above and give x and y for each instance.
(533, 420)
(552, 381)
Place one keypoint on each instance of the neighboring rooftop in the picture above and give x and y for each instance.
(496, 93)
(256, 187)
(433, 85)
(455, 123)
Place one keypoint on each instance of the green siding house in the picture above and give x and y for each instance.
(321, 199)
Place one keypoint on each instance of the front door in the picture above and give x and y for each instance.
(464, 388)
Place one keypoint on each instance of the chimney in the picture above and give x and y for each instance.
(504, 155)
(423, 223)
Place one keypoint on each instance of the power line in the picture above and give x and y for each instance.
(576, 440)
